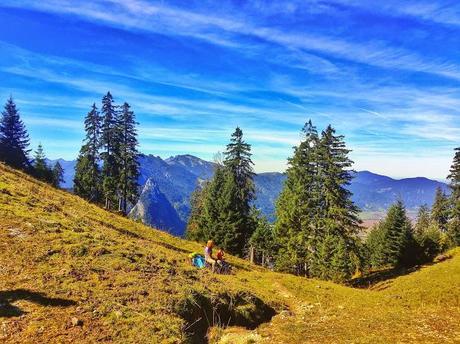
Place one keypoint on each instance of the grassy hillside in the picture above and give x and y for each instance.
(71, 272)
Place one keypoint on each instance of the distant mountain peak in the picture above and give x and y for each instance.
(186, 159)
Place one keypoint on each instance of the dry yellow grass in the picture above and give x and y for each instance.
(71, 272)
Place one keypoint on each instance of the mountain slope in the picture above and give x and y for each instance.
(72, 272)
(373, 192)
(154, 207)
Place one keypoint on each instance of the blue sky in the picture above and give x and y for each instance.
(386, 76)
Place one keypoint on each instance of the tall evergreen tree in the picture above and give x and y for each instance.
(423, 220)
(398, 240)
(195, 228)
(296, 226)
(58, 174)
(239, 191)
(440, 210)
(262, 240)
(110, 141)
(428, 235)
(128, 158)
(41, 169)
(14, 140)
(375, 244)
(454, 178)
(87, 180)
(238, 161)
(340, 213)
(315, 211)
(222, 210)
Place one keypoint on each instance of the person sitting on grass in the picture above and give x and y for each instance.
(208, 255)
(224, 267)
(220, 255)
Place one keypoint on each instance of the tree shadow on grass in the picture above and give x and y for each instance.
(7, 297)
(382, 279)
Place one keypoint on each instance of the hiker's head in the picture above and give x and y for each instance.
(210, 244)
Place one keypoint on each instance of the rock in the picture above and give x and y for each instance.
(442, 257)
(76, 322)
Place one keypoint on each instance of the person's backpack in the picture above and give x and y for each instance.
(199, 261)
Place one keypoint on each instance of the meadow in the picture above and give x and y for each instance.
(73, 272)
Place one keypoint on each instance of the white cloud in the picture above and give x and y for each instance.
(169, 20)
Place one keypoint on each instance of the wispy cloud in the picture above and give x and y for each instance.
(201, 68)
(159, 18)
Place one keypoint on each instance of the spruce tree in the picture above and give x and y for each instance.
(440, 210)
(454, 178)
(87, 180)
(210, 211)
(14, 140)
(340, 213)
(263, 240)
(40, 167)
(428, 235)
(238, 192)
(58, 174)
(317, 222)
(375, 245)
(110, 141)
(128, 158)
(296, 226)
(222, 210)
(238, 161)
(423, 220)
(398, 240)
(195, 228)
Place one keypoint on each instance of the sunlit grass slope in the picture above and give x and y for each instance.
(71, 272)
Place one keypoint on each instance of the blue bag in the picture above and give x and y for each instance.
(199, 262)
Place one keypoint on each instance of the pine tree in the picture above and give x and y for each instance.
(238, 193)
(423, 220)
(110, 141)
(296, 226)
(263, 240)
(236, 227)
(87, 180)
(398, 241)
(375, 245)
(128, 158)
(204, 223)
(454, 178)
(222, 210)
(195, 228)
(58, 175)
(317, 222)
(238, 161)
(440, 210)
(340, 213)
(428, 235)
(14, 140)
(40, 168)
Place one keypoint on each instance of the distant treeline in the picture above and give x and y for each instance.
(316, 232)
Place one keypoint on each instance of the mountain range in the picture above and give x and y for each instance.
(167, 184)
